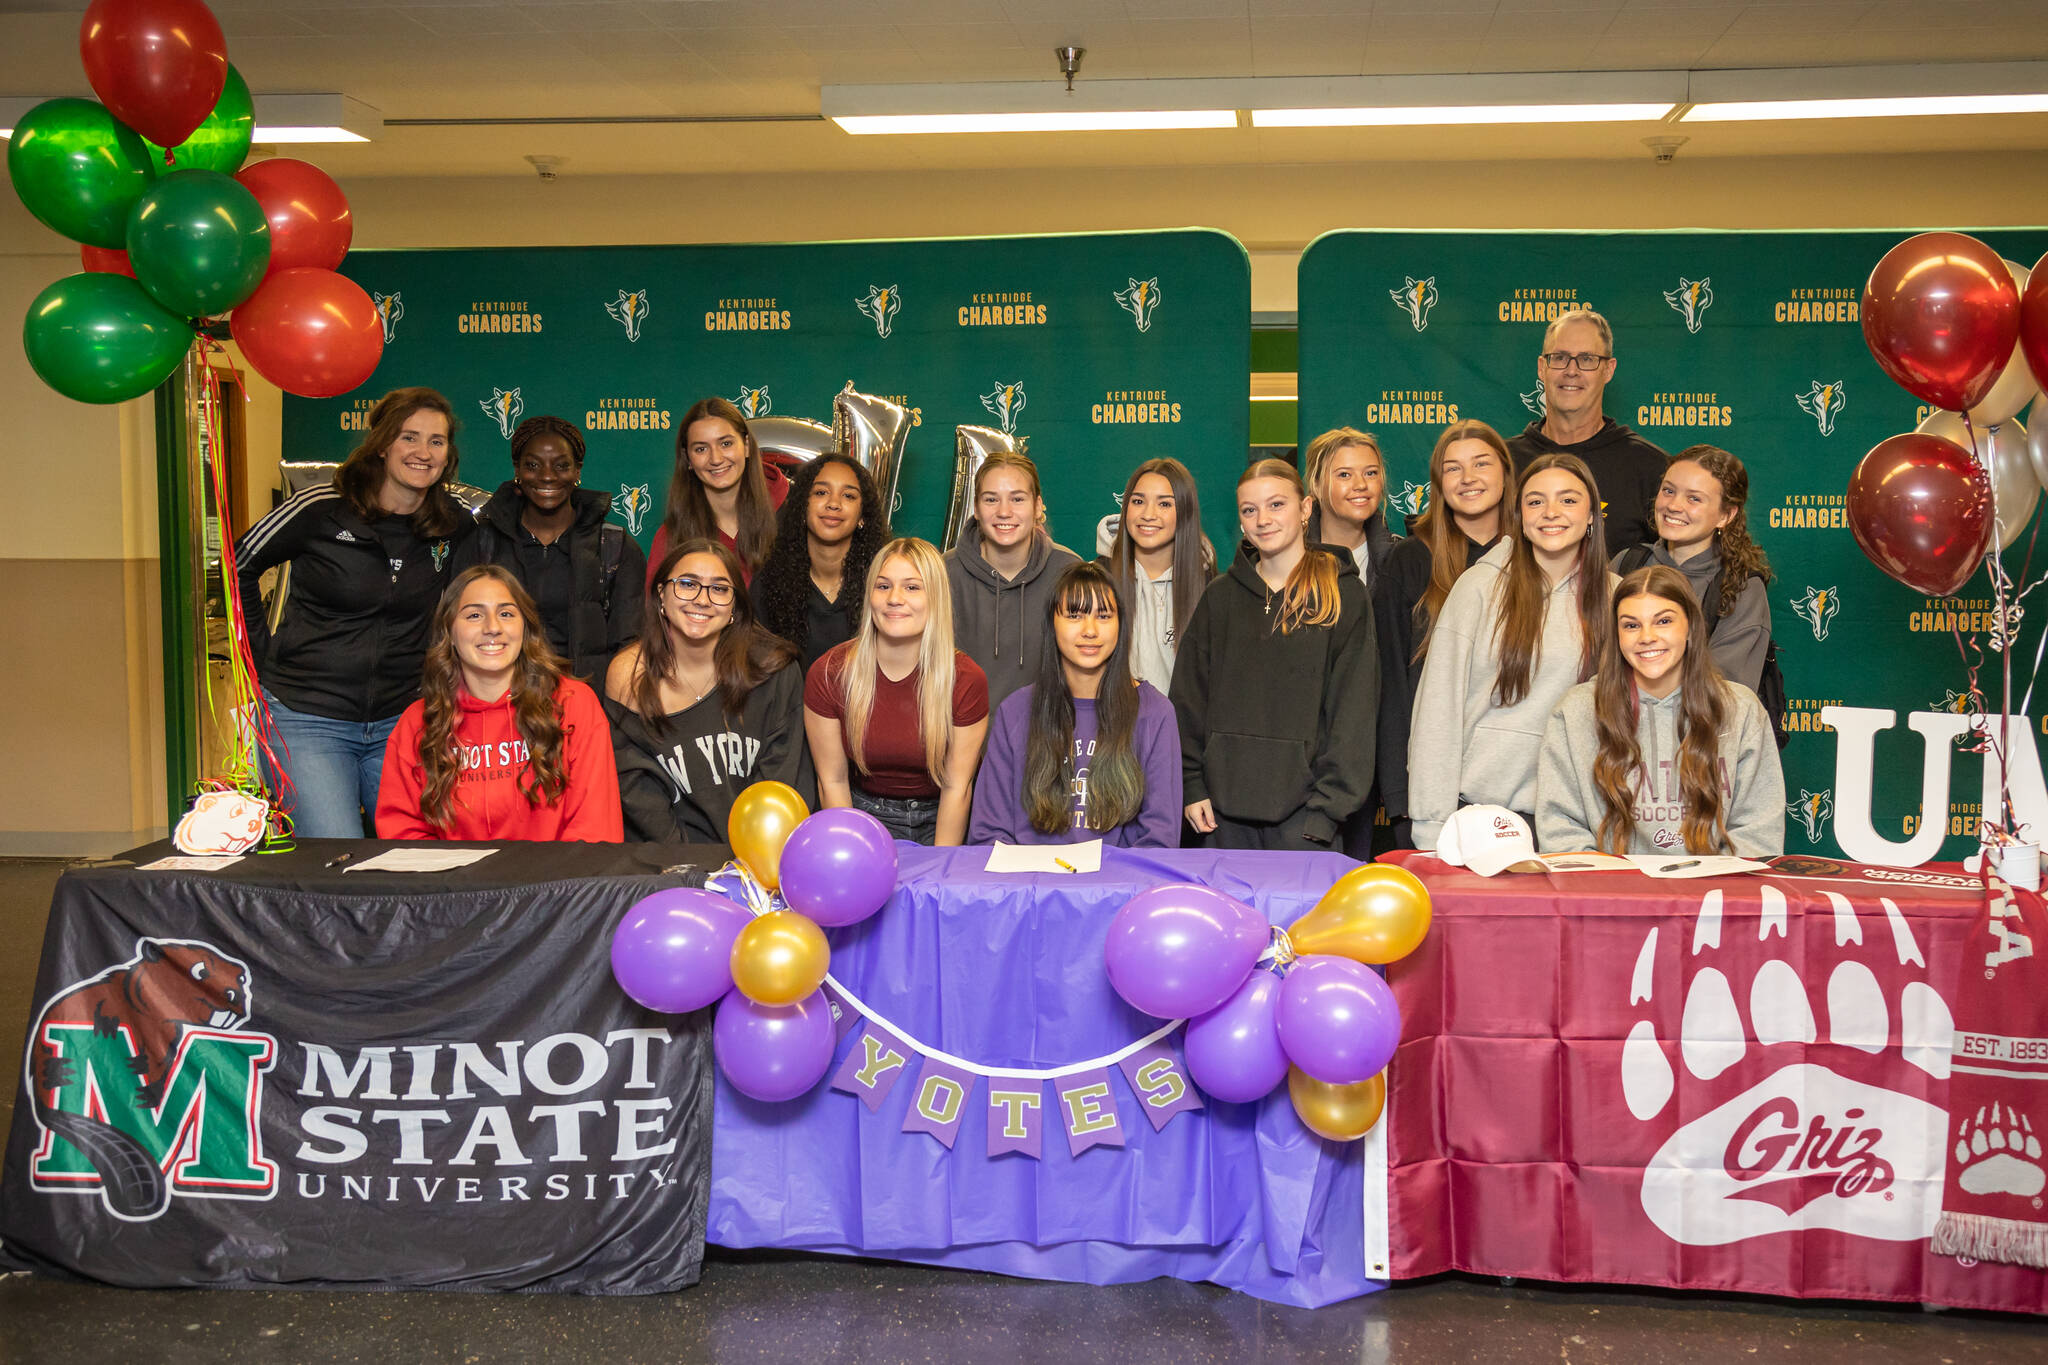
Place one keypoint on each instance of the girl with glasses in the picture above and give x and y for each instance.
(502, 744)
(721, 490)
(896, 716)
(1086, 751)
(704, 704)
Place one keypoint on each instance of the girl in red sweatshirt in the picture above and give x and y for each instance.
(501, 745)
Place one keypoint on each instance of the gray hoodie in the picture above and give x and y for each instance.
(1569, 805)
(1000, 622)
(1461, 745)
(1742, 638)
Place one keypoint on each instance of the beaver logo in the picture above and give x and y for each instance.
(145, 1084)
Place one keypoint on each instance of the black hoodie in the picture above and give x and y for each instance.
(1396, 589)
(587, 584)
(1628, 469)
(1272, 723)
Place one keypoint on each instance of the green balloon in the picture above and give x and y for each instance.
(79, 169)
(219, 144)
(199, 242)
(100, 338)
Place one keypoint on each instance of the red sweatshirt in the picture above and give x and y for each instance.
(490, 794)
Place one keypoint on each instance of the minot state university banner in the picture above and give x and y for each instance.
(1103, 350)
(1751, 341)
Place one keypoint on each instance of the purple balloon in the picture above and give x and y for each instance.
(673, 950)
(1234, 1050)
(1338, 1020)
(1181, 950)
(773, 1052)
(839, 867)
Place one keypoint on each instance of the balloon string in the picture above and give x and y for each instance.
(1279, 954)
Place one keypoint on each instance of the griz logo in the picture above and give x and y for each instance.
(145, 1085)
(1415, 298)
(1817, 608)
(633, 503)
(754, 402)
(881, 305)
(1692, 298)
(1813, 809)
(390, 308)
(629, 311)
(1139, 299)
(1823, 403)
(1534, 401)
(1004, 403)
(504, 407)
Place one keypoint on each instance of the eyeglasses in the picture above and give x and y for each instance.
(690, 589)
(1565, 360)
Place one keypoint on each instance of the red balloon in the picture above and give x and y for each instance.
(310, 332)
(2034, 320)
(309, 222)
(1941, 314)
(104, 260)
(159, 65)
(1920, 507)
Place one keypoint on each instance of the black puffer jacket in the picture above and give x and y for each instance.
(606, 566)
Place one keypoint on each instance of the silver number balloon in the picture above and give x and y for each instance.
(790, 442)
(971, 448)
(2004, 451)
(873, 431)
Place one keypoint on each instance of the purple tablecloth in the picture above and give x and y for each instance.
(1007, 970)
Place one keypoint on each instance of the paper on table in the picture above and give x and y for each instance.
(1085, 857)
(426, 859)
(1677, 866)
(1583, 862)
(191, 862)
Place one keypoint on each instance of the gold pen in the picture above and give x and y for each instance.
(1064, 863)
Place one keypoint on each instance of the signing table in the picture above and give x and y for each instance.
(1734, 1083)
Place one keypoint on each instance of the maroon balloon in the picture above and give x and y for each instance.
(310, 332)
(2034, 320)
(309, 222)
(159, 65)
(105, 260)
(1920, 507)
(1941, 314)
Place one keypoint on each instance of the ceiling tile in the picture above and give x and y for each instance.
(1671, 23)
(1829, 19)
(1577, 23)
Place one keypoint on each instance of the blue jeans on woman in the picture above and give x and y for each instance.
(334, 767)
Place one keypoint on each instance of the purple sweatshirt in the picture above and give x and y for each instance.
(999, 787)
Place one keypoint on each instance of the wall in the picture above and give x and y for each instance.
(81, 578)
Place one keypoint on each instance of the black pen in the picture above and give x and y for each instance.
(337, 860)
(1668, 867)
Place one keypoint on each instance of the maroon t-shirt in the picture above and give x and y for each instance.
(895, 752)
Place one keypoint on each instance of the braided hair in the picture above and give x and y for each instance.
(533, 428)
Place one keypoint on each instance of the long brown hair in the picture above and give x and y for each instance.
(1618, 768)
(1194, 558)
(745, 656)
(539, 671)
(859, 665)
(1116, 780)
(1438, 528)
(1741, 557)
(361, 476)
(1309, 597)
(689, 515)
(1525, 592)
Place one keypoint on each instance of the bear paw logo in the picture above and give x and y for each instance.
(1999, 1154)
(1779, 1081)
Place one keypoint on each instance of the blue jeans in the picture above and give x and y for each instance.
(334, 766)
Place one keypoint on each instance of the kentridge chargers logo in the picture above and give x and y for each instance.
(1139, 299)
(1415, 298)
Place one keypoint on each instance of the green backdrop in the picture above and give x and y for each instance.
(1102, 375)
(1746, 340)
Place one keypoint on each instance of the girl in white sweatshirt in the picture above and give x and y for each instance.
(1520, 628)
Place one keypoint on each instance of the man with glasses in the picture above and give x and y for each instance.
(1576, 362)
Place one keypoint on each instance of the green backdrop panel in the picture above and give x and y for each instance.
(1746, 340)
(1103, 375)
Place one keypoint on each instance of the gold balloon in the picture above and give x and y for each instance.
(780, 958)
(1374, 914)
(1337, 1112)
(762, 819)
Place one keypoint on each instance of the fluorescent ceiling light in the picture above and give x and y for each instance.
(324, 117)
(1423, 115)
(1916, 106)
(1100, 121)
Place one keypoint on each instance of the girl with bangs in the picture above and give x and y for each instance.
(1659, 753)
(502, 743)
(1471, 481)
(1161, 562)
(1086, 751)
(1277, 682)
(721, 489)
(896, 716)
(1517, 631)
(705, 704)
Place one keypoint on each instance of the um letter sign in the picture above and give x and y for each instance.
(1856, 730)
